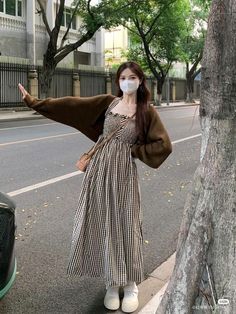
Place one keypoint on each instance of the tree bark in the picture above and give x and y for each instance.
(189, 86)
(205, 269)
(48, 70)
(190, 77)
(160, 83)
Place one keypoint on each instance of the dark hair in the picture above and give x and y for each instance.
(143, 95)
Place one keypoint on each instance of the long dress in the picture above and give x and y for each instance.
(107, 237)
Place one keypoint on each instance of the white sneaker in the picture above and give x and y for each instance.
(112, 299)
(130, 301)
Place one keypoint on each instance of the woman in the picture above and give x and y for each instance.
(107, 234)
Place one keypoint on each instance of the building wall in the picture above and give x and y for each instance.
(13, 36)
(116, 42)
(26, 37)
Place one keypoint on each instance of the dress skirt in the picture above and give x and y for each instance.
(107, 237)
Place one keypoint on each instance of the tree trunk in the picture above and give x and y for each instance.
(190, 88)
(205, 271)
(160, 82)
(49, 66)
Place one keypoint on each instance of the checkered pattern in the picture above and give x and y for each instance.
(107, 236)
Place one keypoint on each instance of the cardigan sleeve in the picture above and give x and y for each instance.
(74, 111)
(157, 146)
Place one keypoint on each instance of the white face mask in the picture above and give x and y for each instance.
(129, 86)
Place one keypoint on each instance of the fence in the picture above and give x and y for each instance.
(75, 82)
(92, 83)
(62, 82)
(10, 76)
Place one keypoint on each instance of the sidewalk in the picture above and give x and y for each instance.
(20, 115)
(12, 115)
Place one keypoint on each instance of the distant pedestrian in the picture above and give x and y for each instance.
(107, 235)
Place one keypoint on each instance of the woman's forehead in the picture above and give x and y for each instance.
(127, 72)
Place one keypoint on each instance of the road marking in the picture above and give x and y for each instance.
(44, 183)
(70, 175)
(26, 126)
(186, 138)
(38, 139)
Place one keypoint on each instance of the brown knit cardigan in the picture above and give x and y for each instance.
(87, 114)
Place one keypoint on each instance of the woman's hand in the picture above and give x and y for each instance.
(23, 91)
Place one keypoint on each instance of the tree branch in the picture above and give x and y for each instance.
(58, 22)
(130, 29)
(157, 17)
(193, 69)
(89, 9)
(153, 23)
(44, 17)
(68, 28)
(147, 50)
(154, 33)
(197, 72)
(64, 51)
(168, 67)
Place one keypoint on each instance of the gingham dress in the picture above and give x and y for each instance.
(107, 235)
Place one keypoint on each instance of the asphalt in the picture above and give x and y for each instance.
(152, 289)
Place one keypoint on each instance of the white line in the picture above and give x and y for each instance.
(186, 138)
(38, 139)
(27, 126)
(44, 183)
(72, 174)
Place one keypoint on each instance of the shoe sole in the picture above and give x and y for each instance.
(129, 309)
(112, 308)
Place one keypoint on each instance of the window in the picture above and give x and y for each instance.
(11, 7)
(19, 8)
(1, 6)
(67, 17)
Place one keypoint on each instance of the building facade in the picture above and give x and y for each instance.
(116, 45)
(24, 36)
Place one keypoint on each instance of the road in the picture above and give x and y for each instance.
(38, 170)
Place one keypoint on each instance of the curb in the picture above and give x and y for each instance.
(176, 106)
(32, 117)
(154, 286)
(152, 306)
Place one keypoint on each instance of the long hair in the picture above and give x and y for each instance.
(143, 95)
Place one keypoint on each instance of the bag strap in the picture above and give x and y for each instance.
(94, 149)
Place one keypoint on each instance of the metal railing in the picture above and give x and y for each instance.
(92, 82)
(10, 76)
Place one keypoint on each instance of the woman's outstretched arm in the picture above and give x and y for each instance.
(74, 111)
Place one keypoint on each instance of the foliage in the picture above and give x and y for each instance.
(100, 13)
(192, 43)
(178, 34)
(155, 29)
